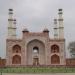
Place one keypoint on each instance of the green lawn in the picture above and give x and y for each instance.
(38, 70)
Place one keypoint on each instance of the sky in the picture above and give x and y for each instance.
(36, 15)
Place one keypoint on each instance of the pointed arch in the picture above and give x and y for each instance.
(35, 47)
(16, 59)
(54, 48)
(55, 59)
(16, 49)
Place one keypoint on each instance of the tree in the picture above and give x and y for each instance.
(71, 47)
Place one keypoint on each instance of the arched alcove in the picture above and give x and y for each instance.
(16, 49)
(54, 49)
(16, 59)
(55, 59)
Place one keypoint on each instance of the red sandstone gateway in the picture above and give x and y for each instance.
(36, 48)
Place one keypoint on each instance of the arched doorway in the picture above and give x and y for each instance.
(35, 61)
(54, 49)
(55, 59)
(35, 57)
(16, 49)
(35, 48)
(16, 59)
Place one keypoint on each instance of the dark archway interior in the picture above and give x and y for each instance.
(54, 49)
(35, 49)
(16, 49)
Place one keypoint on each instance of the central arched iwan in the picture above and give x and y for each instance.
(35, 48)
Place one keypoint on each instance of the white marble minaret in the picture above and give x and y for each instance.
(61, 27)
(55, 29)
(11, 25)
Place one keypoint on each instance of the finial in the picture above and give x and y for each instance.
(25, 30)
(10, 9)
(59, 9)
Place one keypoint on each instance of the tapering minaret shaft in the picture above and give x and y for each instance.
(14, 29)
(55, 29)
(61, 27)
(11, 25)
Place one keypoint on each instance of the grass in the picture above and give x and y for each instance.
(38, 70)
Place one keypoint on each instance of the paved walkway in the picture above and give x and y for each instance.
(41, 74)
